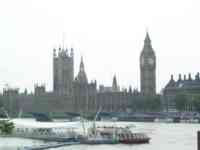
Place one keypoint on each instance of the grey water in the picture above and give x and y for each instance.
(164, 136)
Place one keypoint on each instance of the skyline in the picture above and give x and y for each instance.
(108, 34)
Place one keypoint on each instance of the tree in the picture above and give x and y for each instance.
(153, 103)
(148, 103)
(6, 127)
(180, 101)
(196, 103)
(1, 103)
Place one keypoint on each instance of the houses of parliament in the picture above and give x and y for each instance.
(75, 94)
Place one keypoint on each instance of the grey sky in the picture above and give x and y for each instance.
(108, 33)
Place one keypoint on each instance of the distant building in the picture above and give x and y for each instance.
(63, 71)
(84, 96)
(78, 95)
(39, 90)
(187, 86)
(148, 69)
(10, 91)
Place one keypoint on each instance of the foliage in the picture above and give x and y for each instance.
(1, 103)
(196, 102)
(146, 104)
(154, 104)
(180, 101)
(6, 127)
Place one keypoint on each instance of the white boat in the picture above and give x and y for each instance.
(122, 135)
(98, 138)
(56, 131)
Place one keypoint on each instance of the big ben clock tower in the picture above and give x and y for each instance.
(147, 69)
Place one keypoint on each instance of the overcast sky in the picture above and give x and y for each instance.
(109, 34)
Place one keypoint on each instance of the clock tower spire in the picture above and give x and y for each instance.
(147, 68)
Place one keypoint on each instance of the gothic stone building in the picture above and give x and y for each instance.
(77, 94)
(148, 68)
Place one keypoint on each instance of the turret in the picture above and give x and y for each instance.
(54, 52)
(189, 77)
(59, 51)
(63, 71)
(172, 78)
(197, 76)
(147, 40)
(66, 52)
(114, 84)
(72, 52)
(184, 77)
(171, 82)
(82, 78)
(179, 78)
(130, 89)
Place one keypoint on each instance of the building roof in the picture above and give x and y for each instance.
(184, 83)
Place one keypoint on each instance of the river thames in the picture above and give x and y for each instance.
(164, 136)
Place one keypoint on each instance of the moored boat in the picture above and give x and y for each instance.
(47, 134)
(113, 135)
(123, 135)
(48, 131)
(98, 140)
(97, 136)
(133, 138)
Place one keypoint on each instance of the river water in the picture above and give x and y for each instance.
(164, 136)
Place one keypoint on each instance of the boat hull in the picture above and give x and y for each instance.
(94, 142)
(133, 138)
(135, 141)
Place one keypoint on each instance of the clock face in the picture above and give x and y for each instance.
(150, 61)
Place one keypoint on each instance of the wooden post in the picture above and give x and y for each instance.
(198, 140)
